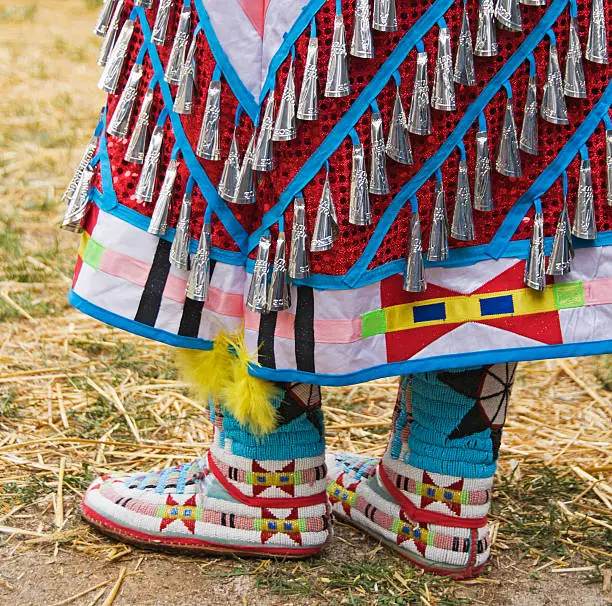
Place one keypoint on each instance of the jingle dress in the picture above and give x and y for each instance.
(358, 189)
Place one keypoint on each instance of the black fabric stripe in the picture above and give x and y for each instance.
(192, 313)
(223, 519)
(190, 320)
(232, 518)
(304, 329)
(265, 339)
(148, 309)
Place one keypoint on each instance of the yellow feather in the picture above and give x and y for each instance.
(207, 371)
(248, 398)
(223, 374)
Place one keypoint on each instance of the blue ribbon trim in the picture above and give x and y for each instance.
(137, 328)
(209, 191)
(461, 257)
(354, 275)
(242, 93)
(342, 129)
(134, 218)
(449, 362)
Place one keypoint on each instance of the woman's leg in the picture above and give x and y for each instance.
(430, 494)
(256, 494)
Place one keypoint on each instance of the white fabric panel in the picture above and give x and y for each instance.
(229, 278)
(182, 274)
(284, 353)
(250, 341)
(248, 53)
(211, 324)
(169, 315)
(280, 17)
(350, 357)
(121, 237)
(474, 337)
(589, 264)
(346, 304)
(467, 279)
(111, 293)
(586, 324)
(239, 39)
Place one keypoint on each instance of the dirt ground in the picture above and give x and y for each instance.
(78, 398)
(154, 580)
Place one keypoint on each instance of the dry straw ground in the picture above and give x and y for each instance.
(78, 398)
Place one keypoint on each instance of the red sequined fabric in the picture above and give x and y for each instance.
(290, 156)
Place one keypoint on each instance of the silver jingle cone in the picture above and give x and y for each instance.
(245, 187)
(159, 219)
(111, 35)
(535, 276)
(308, 103)
(533, 2)
(462, 227)
(326, 228)
(443, 92)
(135, 151)
(419, 117)
(361, 43)
(198, 284)
(144, 3)
(360, 212)
(284, 128)
(264, 152)
(208, 143)
(75, 211)
(183, 103)
(279, 297)
(597, 42)
(414, 273)
(231, 172)
(160, 27)
(379, 180)
(609, 165)
(486, 34)
(120, 122)
(438, 236)
(257, 299)
(508, 156)
(112, 70)
(385, 16)
(529, 130)
(584, 226)
(483, 198)
(299, 258)
(84, 162)
(338, 84)
(508, 15)
(574, 84)
(464, 62)
(398, 142)
(562, 253)
(179, 251)
(179, 47)
(553, 108)
(148, 176)
(104, 18)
